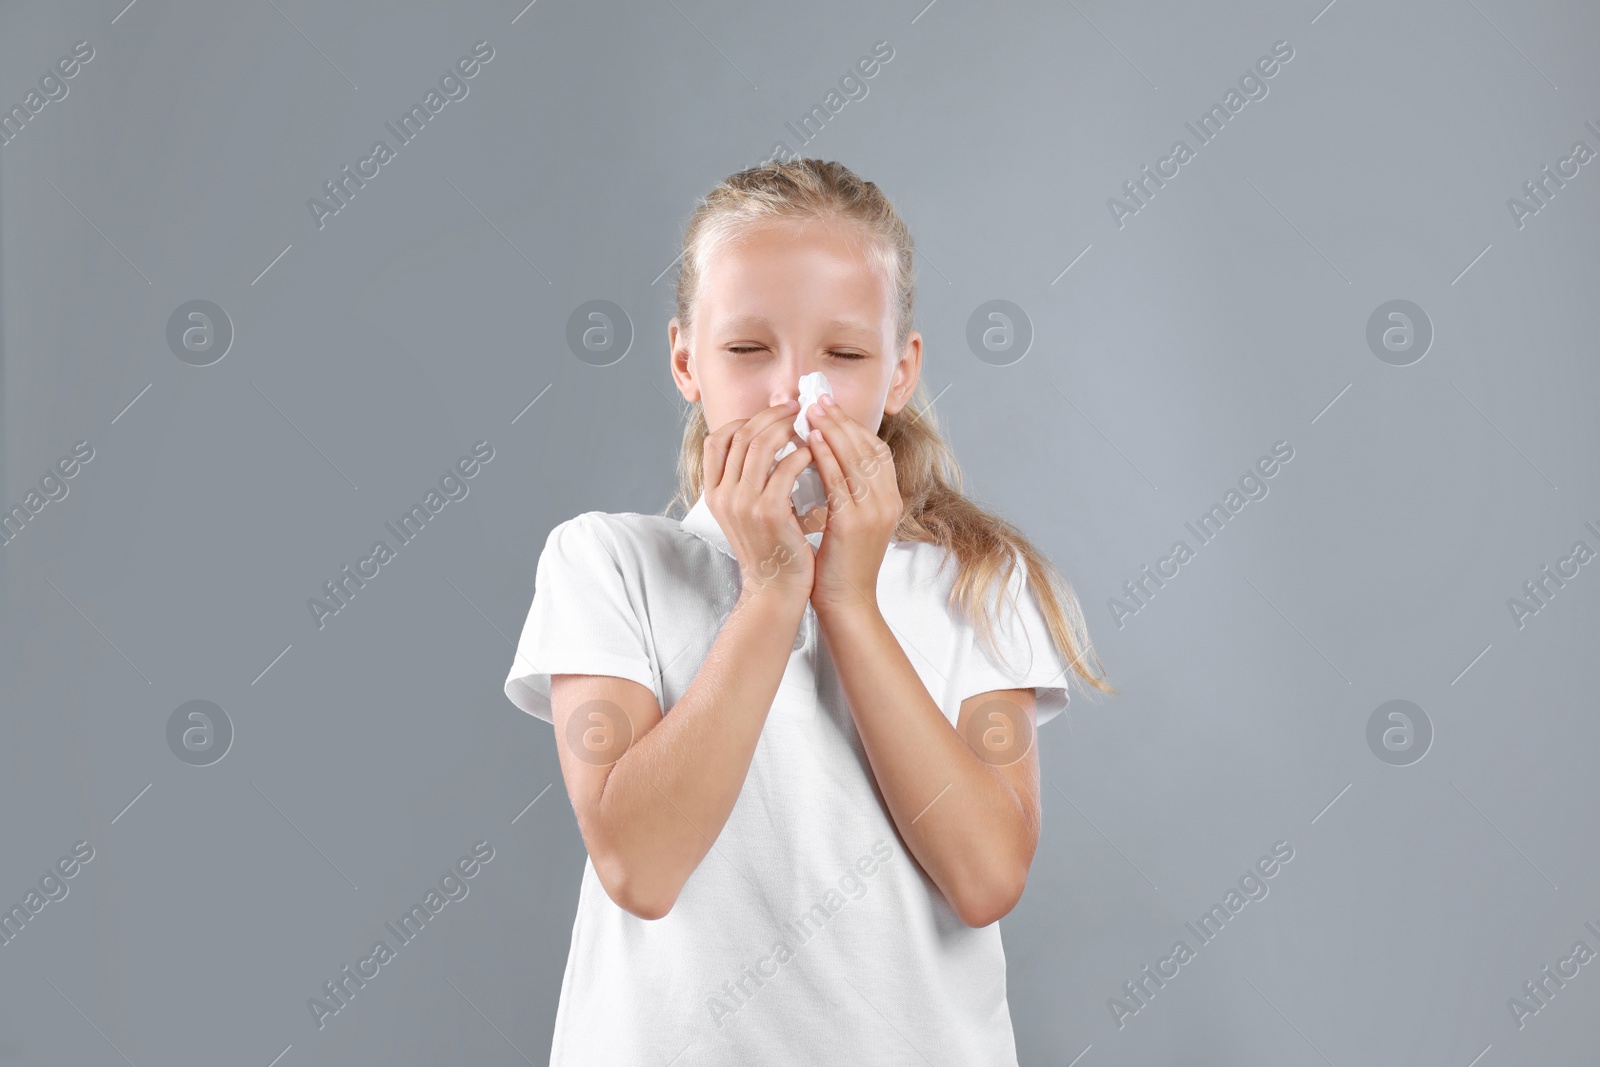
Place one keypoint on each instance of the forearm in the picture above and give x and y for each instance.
(958, 815)
(668, 797)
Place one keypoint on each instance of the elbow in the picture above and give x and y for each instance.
(989, 903)
(641, 897)
(980, 914)
(646, 907)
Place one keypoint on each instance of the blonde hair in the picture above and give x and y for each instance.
(985, 546)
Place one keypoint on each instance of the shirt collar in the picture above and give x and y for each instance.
(700, 522)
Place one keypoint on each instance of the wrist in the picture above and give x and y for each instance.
(778, 598)
(860, 608)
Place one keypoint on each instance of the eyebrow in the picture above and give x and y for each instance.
(740, 322)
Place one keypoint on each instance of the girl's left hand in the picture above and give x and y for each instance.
(864, 507)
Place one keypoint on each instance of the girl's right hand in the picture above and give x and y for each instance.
(753, 508)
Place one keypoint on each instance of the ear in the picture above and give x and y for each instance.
(682, 363)
(907, 372)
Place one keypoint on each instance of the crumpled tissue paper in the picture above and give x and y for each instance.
(808, 492)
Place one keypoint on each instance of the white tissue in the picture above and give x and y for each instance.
(808, 492)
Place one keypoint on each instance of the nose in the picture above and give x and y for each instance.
(785, 387)
(791, 393)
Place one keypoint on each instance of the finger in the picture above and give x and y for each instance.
(722, 459)
(780, 485)
(738, 463)
(781, 482)
(760, 418)
(847, 438)
(714, 453)
(833, 480)
(851, 446)
(871, 460)
(775, 495)
(764, 449)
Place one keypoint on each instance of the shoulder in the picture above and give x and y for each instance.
(629, 538)
(918, 576)
(925, 563)
(923, 574)
(604, 523)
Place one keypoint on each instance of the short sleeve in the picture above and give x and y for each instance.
(1029, 658)
(582, 620)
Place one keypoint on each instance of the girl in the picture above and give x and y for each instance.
(801, 756)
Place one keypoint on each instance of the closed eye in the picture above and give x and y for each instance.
(832, 352)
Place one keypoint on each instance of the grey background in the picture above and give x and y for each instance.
(1230, 313)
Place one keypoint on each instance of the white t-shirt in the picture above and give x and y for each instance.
(808, 934)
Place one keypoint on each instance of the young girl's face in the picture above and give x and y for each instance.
(787, 299)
